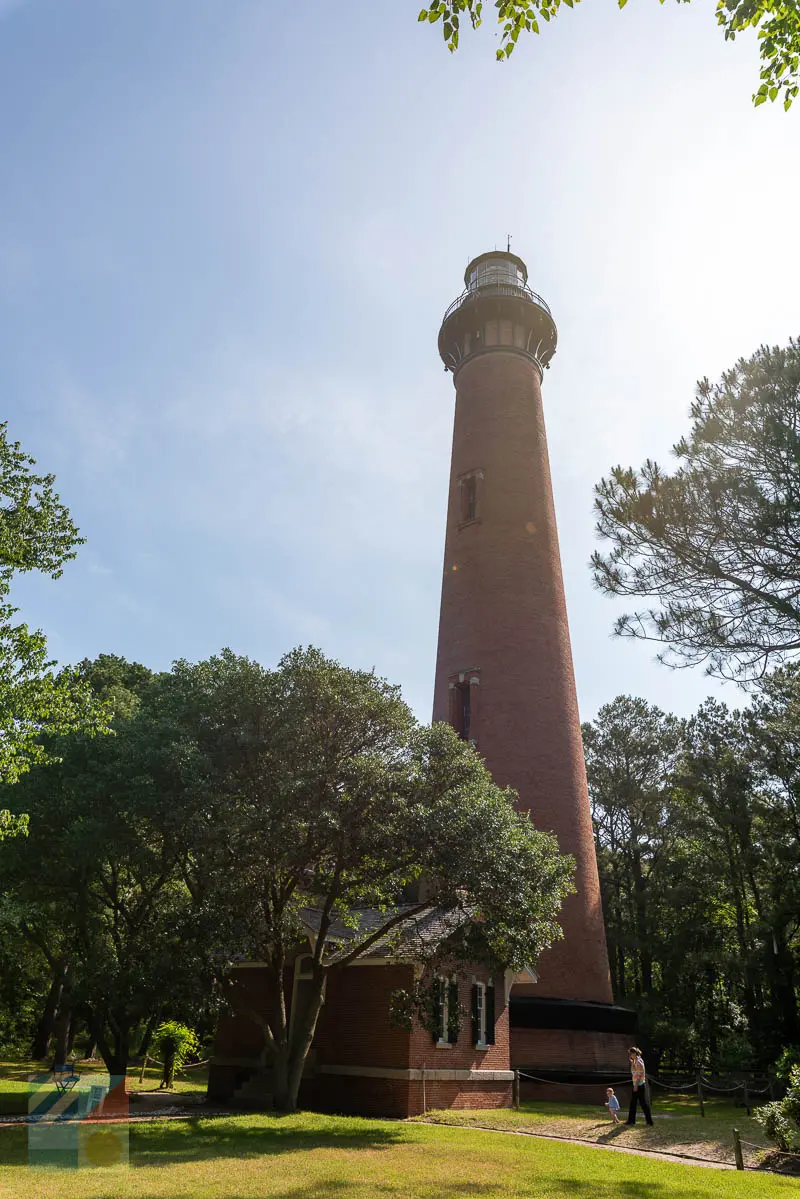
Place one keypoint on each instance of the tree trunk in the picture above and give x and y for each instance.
(61, 1033)
(74, 1025)
(642, 924)
(290, 1059)
(147, 1037)
(168, 1071)
(115, 1056)
(44, 1029)
(623, 990)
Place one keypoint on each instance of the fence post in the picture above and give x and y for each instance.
(700, 1093)
(771, 1088)
(144, 1067)
(515, 1090)
(737, 1150)
(746, 1098)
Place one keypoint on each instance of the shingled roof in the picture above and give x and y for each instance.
(411, 939)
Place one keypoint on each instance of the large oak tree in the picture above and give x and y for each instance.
(315, 788)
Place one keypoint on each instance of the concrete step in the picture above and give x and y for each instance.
(256, 1093)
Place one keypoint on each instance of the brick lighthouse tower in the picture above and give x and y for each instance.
(504, 674)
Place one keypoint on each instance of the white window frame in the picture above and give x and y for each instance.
(444, 1012)
(481, 1042)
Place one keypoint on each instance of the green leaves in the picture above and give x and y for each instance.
(714, 547)
(777, 23)
(12, 826)
(36, 533)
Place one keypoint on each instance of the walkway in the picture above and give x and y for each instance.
(682, 1158)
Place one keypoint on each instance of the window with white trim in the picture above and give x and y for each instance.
(479, 1014)
(446, 1012)
(483, 1014)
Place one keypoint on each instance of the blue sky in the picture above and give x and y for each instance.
(228, 232)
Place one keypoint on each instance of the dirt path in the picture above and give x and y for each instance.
(683, 1158)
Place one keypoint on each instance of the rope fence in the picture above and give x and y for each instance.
(666, 1086)
(768, 1149)
(616, 1083)
(158, 1062)
(702, 1086)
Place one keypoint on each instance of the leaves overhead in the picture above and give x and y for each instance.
(777, 23)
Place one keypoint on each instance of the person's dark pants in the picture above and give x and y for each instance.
(639, 1094)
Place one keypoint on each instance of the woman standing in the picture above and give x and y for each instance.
(639, 1092)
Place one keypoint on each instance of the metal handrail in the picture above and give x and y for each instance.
(497, 289)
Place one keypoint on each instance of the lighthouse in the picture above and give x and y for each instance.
(504, 674)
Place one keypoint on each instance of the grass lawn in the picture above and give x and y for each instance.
(14, 1082)
(328, 1157)
(678, 1127)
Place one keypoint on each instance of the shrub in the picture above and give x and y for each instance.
(781, 1119)
(173, 1043)
(790, 1057)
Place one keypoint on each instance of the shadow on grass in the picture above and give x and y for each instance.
(604, 1138)
(201, 1139)
(628, 1189)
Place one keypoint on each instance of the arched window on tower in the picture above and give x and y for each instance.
(470, 497)
(463, 710)
(464, 704)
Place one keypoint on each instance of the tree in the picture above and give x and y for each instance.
(675, 813)
(316, 789)
(777, 22)
(99, 884)
(36, 533)
(630, 750)
(716, 545)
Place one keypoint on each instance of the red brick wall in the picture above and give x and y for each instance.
(354, 1031)
(399, 1098)
(565, 1049)
(594, 1093)
(353, 1027)
(469, 1096)
(503, 611)
(237, 1036)
(463, 1055)
(357, 1096)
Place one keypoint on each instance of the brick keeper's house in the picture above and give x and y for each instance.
(359, 1063)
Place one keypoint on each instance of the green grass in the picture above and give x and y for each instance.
(14, 1082)
(327, 1157)
(679, 1127)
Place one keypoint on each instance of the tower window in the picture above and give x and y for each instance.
(470, 488)
(463, 710)
(464, 703)
(470, 498)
